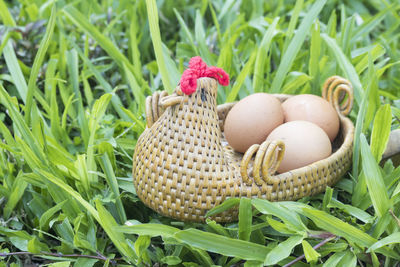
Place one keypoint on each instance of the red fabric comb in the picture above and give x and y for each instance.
(197, 69)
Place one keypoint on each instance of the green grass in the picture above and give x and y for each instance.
(73, 80)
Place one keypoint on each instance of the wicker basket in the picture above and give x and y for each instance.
(183, 166)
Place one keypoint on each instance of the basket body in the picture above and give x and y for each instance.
(183, 166)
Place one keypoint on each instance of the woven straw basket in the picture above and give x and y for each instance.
(183, 166)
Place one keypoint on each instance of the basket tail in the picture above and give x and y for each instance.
(339, 92)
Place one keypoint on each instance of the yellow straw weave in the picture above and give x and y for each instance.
(183, 166)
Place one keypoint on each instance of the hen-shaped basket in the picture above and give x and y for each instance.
(183, 166)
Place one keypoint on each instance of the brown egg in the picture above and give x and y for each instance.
(314, 109)
(251, 120)
(305, 143)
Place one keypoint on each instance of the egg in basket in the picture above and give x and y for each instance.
(183, 166)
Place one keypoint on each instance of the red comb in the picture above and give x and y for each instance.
(197, 69)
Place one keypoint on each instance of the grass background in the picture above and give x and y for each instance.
(73, 79)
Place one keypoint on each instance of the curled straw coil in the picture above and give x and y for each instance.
(339, 92)
(268, 157)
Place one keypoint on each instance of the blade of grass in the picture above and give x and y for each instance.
(332, 24)
(334, 259)
(349, 260)
(352, 234)
(391, 239)
(295, 45)
(245, 219)
(333, 225)
(200, 36)
(4, 40)
(83, 174)
(202, 256)
(353, 211)
(217, 228)
(280, 227)
(282, 250)
(152, 14)
(347, 28)
(292, 23)
(216, 22)
(396, 191)
(173, 71)
(315, 52)
(149, 229)
(381, 131)
(37, 63)
(309, 252)
(327, 198)
(6, 135)
(293, 85)
(371, 23)
(38, 128)
(292, 220)
(376, 186)
(134, 42)
(20, 124)
(31, 159)
(5, 15)
(98, 111)
(222, 245)
(227, 5)
(112, 182)
(259, 67)
(241, 77)
(84, 24)
(376, 52)
(15, 70)
(101, 215)
(72, 62)
(87, 89)
(68, 104)
(135, 119)
(71, 207)
(106, 220)
(226, 205)
(115, 100)
(50, 86)
(360, 187)
(135, 88)
(45, 218)
(17, 192)
(186, 30)
(346, 66)
(382, 225)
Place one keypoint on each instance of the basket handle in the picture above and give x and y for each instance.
(153, 109)
(335, 90)
(158, 102)
(268, 158)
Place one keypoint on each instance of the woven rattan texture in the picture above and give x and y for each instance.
(183, 166)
